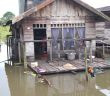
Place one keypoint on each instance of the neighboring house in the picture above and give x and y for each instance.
(103, 28)
(24, 5)
(61, 21)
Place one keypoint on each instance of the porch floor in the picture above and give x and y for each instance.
(62, 66)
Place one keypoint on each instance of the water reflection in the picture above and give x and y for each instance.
(4, 87)
(15, 81)
(62, 84)
(103, 80)
(104, 91)
(20, 84)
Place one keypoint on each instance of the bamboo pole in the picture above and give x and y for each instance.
(86, 69)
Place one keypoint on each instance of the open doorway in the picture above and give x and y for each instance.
(40, 48)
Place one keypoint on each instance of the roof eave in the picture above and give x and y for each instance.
(93, 10)
(32, 10)
(47, 2)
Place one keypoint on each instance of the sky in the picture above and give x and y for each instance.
(12, 5)
(8, 5)
(98, 3)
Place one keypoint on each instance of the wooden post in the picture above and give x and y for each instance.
(107, 48)
(19, 50)
(59, 50)
(25, 60)
(103, 50)
(10, 51)
(7, 50)
(91, 52)
(79, 53)
(50, 50)
(0, 42)
(86, 69)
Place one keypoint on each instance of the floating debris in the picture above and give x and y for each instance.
(34, 64)
(41, 69)
(30, 73)
(69, 66)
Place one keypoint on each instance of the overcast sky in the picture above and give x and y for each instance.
(12, 5)
(8, 5)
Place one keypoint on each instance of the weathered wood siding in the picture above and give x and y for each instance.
(59, 12)
(28, 36)
(100, 27)
(63, 8)
(103, 30)
(107, 35)
(107, 32)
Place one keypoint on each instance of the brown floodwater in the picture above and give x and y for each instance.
(15, 81)
(18, 82)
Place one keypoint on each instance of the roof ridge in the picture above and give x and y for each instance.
(47, 2)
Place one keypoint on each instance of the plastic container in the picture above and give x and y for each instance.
(71, 56)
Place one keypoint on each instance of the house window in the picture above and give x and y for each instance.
(57, 38)
(79, 35)
(67, 35)
(39, 26)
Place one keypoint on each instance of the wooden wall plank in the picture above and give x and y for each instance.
(59, 12)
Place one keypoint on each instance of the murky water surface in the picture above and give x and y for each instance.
(15, 81)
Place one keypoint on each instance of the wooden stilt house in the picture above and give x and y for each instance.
(53, 28)
(103, 28)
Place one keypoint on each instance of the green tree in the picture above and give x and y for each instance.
(6, 17)
(4, 30)
(1, 21)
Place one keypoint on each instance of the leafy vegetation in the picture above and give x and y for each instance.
(4, 31)
(4, 28)
(6, 17)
